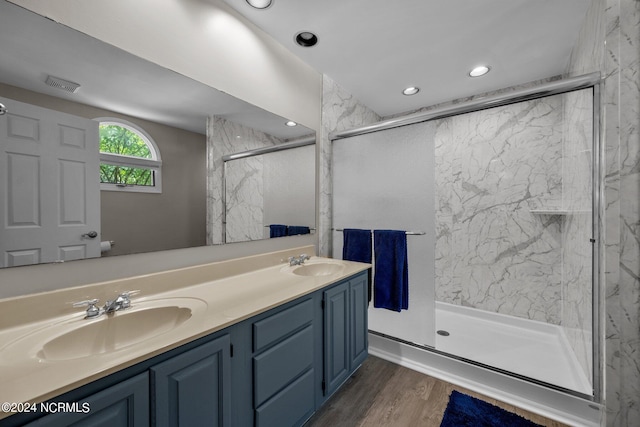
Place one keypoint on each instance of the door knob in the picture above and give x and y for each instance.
(3, 110)
(91, 234)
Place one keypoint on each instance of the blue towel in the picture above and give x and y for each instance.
(356, 245)
(391, 279)
(277, 230)
(294, 230)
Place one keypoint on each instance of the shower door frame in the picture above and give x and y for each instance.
(593, 81)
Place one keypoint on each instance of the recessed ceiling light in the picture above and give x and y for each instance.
(479, 71)
(260, 4)
(291, 123)
(306, 39)
(412, 90)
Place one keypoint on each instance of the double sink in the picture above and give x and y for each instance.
(72, 336)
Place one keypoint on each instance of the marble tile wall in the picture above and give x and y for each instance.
(622, 216)
(493, 168)
(225, 137)
(245, 199)
(610, 43)
(340, 111)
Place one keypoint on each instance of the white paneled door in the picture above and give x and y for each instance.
(49, 186)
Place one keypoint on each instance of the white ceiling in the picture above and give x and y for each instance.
(32, 47)
(376, 48)
(373, 48)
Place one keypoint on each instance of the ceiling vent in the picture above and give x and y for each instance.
(62, 84)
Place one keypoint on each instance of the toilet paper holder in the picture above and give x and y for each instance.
(106, 245)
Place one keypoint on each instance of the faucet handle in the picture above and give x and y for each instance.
(88, 302)
(92, 310)
(129, 294)
(125, 297)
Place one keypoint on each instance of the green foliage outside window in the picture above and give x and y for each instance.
(120, 140)
(112, 174)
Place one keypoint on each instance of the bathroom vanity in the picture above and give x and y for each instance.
(256, 346)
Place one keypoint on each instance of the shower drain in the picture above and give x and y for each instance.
(443, 333)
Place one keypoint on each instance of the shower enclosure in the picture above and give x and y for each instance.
(506, 190)
(265, 186)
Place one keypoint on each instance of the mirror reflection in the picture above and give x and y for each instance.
(58, 86)
(269, 192)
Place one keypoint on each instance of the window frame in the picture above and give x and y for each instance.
(154, 164)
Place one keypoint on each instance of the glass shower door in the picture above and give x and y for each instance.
(503, 276)
(385, 180)
(514, 220)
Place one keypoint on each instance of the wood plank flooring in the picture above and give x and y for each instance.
(382, 393)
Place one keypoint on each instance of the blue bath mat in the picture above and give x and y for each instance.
(464, 410)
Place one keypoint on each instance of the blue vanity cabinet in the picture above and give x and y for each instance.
(345, 330)
(273, 369)
(358, 320)
(193, 388)
(125, 404)
(336, 337)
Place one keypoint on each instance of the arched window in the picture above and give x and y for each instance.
(129, 158)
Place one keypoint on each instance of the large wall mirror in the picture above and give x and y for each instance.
(53, 206)
(269, 192)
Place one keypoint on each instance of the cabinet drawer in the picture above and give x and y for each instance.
(278, 366)
(291, 407)
(277, 326)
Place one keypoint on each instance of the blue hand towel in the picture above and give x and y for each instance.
(356, 245)
(391, 279)
(294, 230)
(277, 230)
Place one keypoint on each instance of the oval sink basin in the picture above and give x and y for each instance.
(74, 337)
(318, 269)
(114, 332)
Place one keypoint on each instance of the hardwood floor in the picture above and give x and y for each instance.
(382, 393)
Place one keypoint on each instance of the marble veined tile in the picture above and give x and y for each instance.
(492, 168)
(340, 111)
(226, 137)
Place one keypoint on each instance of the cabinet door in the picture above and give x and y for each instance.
(336, 338)
(358, 305)
(123, 405)
(194, 388)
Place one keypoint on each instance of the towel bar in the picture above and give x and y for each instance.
(310, 228)
(408, 233)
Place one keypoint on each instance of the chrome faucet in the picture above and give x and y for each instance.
(115, 305)
(299, 260)
(92, 310)
(122, 302)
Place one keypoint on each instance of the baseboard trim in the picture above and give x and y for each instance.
(549, 403)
